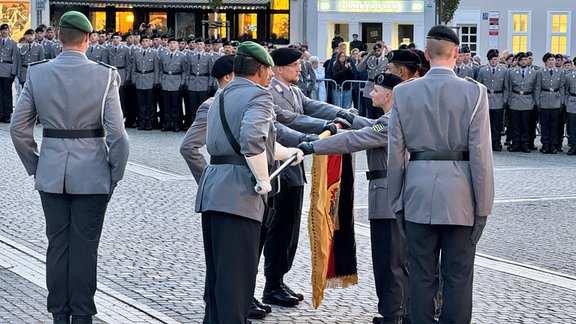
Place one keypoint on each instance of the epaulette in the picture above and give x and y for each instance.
(278, 88)
(470, 79)
(107, 65)
(38, 62)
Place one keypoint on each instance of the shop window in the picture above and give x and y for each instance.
(520, 31)
(247, 26)
(558, 27)
(98, 20)
(279, 4)
(185, 24)
(160, 20)
(124, 21)
(280, 28)
(17, 15)
(469, 37)
(218, 26)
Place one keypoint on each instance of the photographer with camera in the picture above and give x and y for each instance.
(374, 63)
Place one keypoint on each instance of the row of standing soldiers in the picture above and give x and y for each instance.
(528, 95)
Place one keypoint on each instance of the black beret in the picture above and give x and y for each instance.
(403, 47)
(110, 31)
(216, 41)
(172, 39)
(49, 28)
(224, 65)
(442, 32)
(547, 56)
(4, 26)
(207, 42)
(423, 60)
(529, 53)
(235, 43)
(403, 57)
(41, 29)
(574, 60)
(155, 35)
(116, 34)
(199, 40)
(520, 55)
(29, 32)
(227, 43)
(164, 36)
(101, 32)
(285, 56)
(464, 49)
(411, 45)
(377, 46)
(144, 37)
(387, 80)
(492, 53)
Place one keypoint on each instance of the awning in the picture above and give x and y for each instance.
(184, 4)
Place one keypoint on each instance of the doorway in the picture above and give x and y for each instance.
(371, 33)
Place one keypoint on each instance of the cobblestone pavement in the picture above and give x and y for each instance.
(151, 262)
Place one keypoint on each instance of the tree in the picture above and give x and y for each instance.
(445, 10)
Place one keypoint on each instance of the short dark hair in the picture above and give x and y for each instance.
(71, 36)
(246, 65)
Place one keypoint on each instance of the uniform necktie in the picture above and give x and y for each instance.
(171, 55)
(493, 70)
(115, 49)
(198, 56)
(551, 72)
(3, 40)
(458, 70)
(144, 54)
(30, 47)
(522, 74)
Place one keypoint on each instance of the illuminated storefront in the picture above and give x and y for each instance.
(256, 19)
(17, 15)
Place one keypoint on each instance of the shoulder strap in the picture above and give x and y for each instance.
(227, 130)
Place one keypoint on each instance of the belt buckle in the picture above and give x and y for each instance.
(197, 73)
(521, 92)
(143, 71)
(551, 89)
(491, 91)
(169, 72)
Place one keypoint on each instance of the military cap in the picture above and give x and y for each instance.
(110, 31)
(560, 56)
(442, 32)
(29, 32)
(227, 43)
(181, 39)
(520, 55)
(164, 36)
(172, 39)
(492, 53)
(40, 29)
(403, 57)
(547, 56)
(102, 32)
(256, 51)
(423, 60)
(116, 34)
(387, 80)
(403, 47)
(528, 53)
(207, 42)
(464, 49)
(144, 37)
(574, 60)
(94, 31)
(49, 28)
(234, 43)
(155, 35)
(377, 46)
(224, 65)
(285, 56)
(411, 46)
(4, 26)
(216, 41)
(199, 40)
(76, 20)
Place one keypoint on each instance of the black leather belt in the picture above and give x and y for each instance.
(371, 80)
(25, 66)
(8, 62)
(228, 159)
(172, 73)
(494, 91)
(551, 90)
(120, 67)
(376, 174)
(202, 74)
(440, 156)
(572, 94)
(524, 93)
(144, 72)
(73, 133)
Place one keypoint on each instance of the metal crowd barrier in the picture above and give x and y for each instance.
(332, 86)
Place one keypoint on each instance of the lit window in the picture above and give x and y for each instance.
(519, 43)
(558, 23)
(98, 19)
(520, 23)
(519, 31)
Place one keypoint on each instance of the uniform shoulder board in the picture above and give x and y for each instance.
(470, 79)
(107, 65)
(408, 80)
(38, 62)
(278, 88)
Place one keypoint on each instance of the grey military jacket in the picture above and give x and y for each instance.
(27, 54)
(374, 68)
(549, 89)
(97, 53)
(521, 90)
(464, 71)
(172, 70)
(570, 91)
(495, 85)
(76, 165)
(47, 48)
(8, 58)
(229, 188)
(194, 139)
(432, 191)
(119, 57)
(199, 78)
(372, 136)
(307, 78)
(145, 68)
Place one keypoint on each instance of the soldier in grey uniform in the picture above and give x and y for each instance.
(520, 87)
(388, 244)
(29, 53)
(83, 156)
(96, 51)
(375, 63)
(549, 96)
(118, 55)
(494, 77)
(446, 191)
(240, 152)
(145, 74)
(570, 92)
(8, 69)
(198, 64)
(173, 73)
(462, 70)
(403, 63)
(40, 39)
(284, 228)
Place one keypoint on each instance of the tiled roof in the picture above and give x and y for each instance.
(187, 4)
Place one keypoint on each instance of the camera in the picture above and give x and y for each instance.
(145, 25)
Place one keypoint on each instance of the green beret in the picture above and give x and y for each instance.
(256, 51)
(76, 20)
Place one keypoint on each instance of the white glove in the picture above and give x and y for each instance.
(282, 153)
(258, 164)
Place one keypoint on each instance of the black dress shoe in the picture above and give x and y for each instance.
(82, 319)
(514, 148)
(256, 312)
(61, 318)
(381, 320)
(280, 297)
(572, 151)
(545, 149)
(559, 149)
(292, 293)
(147, 125)
(265, 307)
(525, 149)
